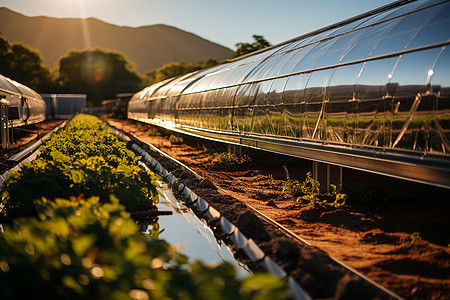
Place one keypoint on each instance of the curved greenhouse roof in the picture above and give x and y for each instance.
(377, 82)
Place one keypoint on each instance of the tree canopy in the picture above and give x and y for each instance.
(25, 65)
(99, 73)
(244, 48)
(173, 69)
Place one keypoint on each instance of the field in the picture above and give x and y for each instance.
(67, 230)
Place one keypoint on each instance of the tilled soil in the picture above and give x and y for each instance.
(22, 137)
(397, 237)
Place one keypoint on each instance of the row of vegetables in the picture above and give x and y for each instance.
(73, 238)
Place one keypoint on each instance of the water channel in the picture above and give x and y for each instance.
(192, 236)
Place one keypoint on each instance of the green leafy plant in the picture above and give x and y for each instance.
(333, 200)
(230, 158)
(309, 190)
(271, 178)
(340, 198)
(84, 159)
(412, 238)
(310, 186)
(291, 187)
(88, 250)
(150, 130)
(173, 139)
(89, 247)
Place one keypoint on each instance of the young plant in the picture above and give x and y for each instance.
(291, 187)
(309, 190)
(412, 238)
(271, 179)
(151, 131)
(230, 158)
(173, 139)
(310, 186)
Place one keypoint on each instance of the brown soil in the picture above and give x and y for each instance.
(373, 235)
(23, 136)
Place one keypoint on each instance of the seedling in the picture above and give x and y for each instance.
(412, 238)
(173, 139)
(309, 190)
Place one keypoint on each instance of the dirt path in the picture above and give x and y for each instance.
(400, 241)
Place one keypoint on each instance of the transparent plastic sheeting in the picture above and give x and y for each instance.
(231, 232)
(30, 149)
(379, 81)
(26, 106)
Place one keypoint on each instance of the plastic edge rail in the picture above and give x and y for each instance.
(267, 262)
(232, 233)
(20, 157)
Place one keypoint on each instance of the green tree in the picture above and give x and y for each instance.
(175, 68)
(244, 48)
(99, 73)
(25, 65)
(149, 77)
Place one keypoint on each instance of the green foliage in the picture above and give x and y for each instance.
(174, 69)
(271, 179)
(334, 200)
(83, 159)
(99, 73)
(173, 139)
(245, 48)
(291, 187)
(309, 190)
(88, 250)
(150, 130)
(310, 186)
(230, 158)
(25, 65)
(92, 249)
(412, 238)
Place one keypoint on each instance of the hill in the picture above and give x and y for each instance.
(148, 46)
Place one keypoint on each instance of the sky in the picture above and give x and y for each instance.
(225, 22)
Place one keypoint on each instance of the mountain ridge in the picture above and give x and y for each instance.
(148, 46)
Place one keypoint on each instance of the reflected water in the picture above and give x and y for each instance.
(192, 237)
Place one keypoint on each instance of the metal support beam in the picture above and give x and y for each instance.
(426, 168)
(4, 122)
(327, 174)
(235, 149)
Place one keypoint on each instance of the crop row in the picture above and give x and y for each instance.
(73, 238)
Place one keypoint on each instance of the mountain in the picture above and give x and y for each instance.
(148, 46)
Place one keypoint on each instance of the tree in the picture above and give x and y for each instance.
(173, 69)
(99, 73)
(244, 48)
(25, 65)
